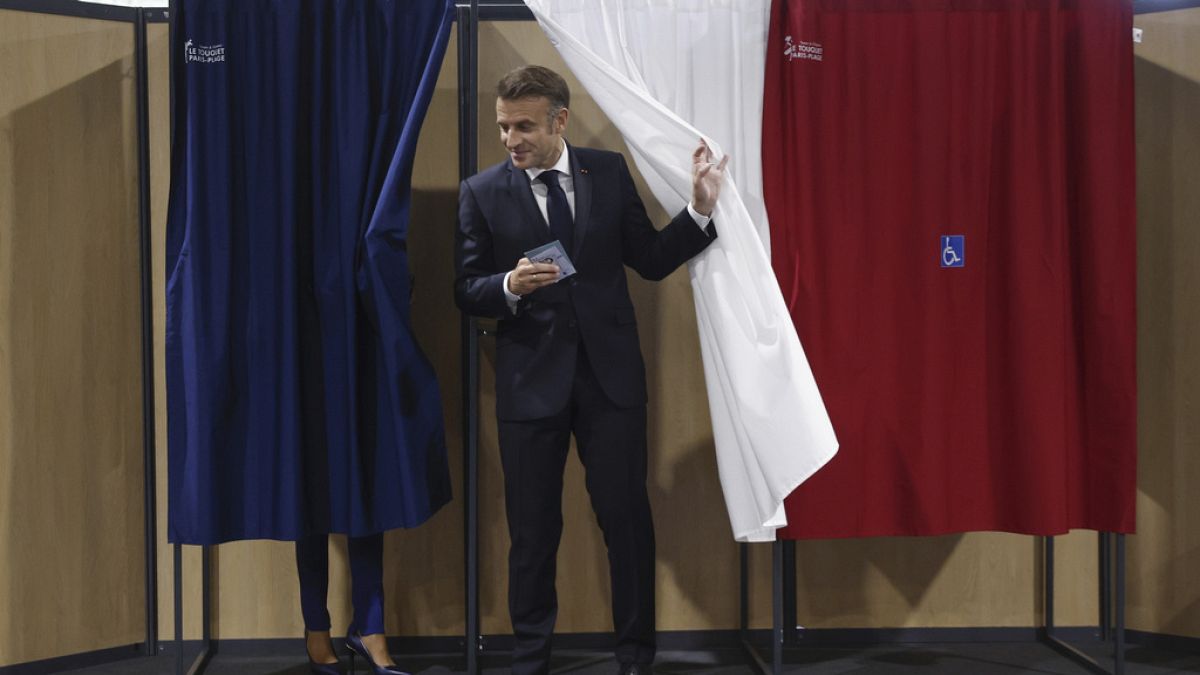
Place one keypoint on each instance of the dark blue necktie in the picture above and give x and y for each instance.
(558, 211)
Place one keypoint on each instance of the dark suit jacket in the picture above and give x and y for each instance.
(536, 349)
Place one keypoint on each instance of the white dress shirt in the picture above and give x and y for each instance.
(567, 182)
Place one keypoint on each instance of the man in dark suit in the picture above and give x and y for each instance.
(567, 353)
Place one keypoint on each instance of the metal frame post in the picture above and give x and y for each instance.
(1108, 583)
(743, 589)
(777, 630)
(146, 256)
(468, 118)
(791, 633)
(1048, 557)
(177, 554)
(207, 648)
(1119, 636)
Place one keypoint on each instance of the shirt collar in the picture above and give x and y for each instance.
(563, 164)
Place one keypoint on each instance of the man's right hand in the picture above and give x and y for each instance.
(528, 276)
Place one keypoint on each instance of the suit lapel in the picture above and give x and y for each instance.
(522, 193)
(583, 199)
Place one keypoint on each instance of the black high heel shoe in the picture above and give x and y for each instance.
(355, 644)
(322, 668)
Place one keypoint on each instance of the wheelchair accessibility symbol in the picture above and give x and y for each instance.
(953, 250)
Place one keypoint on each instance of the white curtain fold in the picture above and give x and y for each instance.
(667, 72)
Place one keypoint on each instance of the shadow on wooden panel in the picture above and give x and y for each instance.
(73, 556)
(1166, 552)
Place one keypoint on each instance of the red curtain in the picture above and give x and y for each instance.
(997, 393)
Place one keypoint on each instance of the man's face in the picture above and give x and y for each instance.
(532, 139)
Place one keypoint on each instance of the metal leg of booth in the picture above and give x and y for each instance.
(1114, 584)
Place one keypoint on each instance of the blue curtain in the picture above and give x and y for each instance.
(298, 401)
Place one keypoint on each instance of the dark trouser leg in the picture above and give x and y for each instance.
(612, 447)
(366, 581)
(533, 455)
(312, 566)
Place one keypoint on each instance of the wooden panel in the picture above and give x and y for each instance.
(70, 359)
(979, 579)
(1164, 556)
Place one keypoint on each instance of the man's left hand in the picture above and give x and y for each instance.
(707, 178)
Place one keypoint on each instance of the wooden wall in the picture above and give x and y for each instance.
(70, 444)
(1164, 557)
(70, 356)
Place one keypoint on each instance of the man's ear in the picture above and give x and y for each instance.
(560, 120)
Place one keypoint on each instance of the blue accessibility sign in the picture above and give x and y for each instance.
(953, 250)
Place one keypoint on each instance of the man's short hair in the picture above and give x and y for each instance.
(532, 82)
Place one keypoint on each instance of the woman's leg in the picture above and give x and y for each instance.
(312, 567)
(366, 578)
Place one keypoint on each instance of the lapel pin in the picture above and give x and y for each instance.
(583, 171)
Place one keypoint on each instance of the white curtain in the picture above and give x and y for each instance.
(667, 72)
